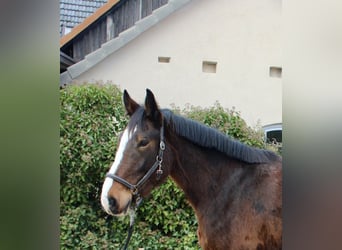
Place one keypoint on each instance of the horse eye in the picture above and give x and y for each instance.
(143, 143)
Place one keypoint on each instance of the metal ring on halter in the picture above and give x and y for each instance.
(159, 159)
(162, 145)
(135, 190)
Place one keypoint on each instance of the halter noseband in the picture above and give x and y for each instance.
(158, 164)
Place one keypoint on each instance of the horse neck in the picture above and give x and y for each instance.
(199, 172)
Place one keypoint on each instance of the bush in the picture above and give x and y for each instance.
(91, 117)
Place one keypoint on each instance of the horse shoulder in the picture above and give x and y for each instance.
(251, 219)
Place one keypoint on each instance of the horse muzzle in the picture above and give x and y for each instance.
(115, 208)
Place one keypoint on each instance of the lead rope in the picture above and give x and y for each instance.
(130, 231)
(131, 222)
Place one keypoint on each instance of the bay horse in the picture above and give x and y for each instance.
(234, 189)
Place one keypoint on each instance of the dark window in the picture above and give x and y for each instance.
(164, 59)
(274, 136)
(209, 67)
(275, 72)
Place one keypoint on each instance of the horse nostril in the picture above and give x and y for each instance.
(112, 205)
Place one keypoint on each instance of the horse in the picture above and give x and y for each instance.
(234, 189)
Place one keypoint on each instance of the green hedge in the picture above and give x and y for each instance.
(91, 117)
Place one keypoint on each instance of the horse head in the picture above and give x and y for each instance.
(139, 163)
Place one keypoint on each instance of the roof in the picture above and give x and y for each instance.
(65, 61)
(117, 43)
(91, 18)
(73, 12)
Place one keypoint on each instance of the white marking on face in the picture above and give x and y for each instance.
(126, 136)
(132, 132)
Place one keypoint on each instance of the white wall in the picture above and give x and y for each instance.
(242, 36)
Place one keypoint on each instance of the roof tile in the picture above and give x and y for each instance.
(73, 12)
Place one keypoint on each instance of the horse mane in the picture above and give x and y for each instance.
(207, 137)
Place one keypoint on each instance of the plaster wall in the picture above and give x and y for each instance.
(243, 37)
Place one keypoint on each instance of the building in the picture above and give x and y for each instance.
(194, 52)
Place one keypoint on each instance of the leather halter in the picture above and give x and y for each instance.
(156, 166)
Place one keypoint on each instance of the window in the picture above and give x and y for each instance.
(275, 72)
(273, 133)
(209, 67)
(163, 59)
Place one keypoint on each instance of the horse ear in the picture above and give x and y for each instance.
(130, 105)
(151, 108)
